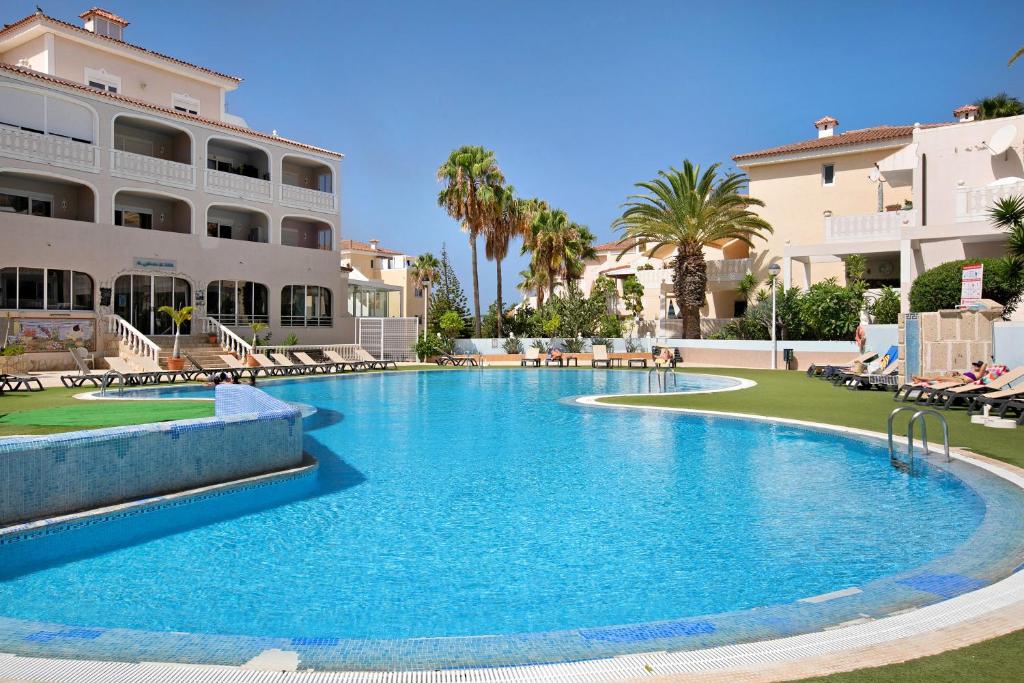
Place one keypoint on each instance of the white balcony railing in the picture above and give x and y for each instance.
(233, 185)
(865, 227)
(728, 269)
(973, 203)
(49, 149)
(304, 198)
(152, 169)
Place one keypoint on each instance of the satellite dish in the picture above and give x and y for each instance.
(1002, 139)
(875, 175)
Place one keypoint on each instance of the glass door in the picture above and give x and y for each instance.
(137, 299)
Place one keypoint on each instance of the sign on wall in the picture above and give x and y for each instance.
(150, 263)
(49, 335)
(970, 283)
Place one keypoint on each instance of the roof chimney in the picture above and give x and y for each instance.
(826, 126)
(104, 23)
(966, 113)
(373, 244)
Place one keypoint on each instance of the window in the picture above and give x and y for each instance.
(105, 27)
(218, 229)
(29, 203)
(237, 302)
(828, 174)
(101, 80)
(45, 289)
(366, 301)
(133, 218)
(185, 104)
(305, 306)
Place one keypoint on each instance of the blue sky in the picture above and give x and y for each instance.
(579, 100)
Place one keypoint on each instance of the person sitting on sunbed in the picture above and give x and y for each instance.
(554, 354)
(977, 371)
(665, 357)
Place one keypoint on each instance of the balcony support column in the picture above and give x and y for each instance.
(787, 272)
(906, 273)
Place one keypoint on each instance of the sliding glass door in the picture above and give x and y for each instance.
(138, 298)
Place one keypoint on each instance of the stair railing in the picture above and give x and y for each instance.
(228, 340)
(130, 337)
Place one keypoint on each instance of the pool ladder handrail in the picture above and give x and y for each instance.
(919, 415)
(108, 379)
(662, 375)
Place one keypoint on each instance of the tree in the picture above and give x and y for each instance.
(425, 269)
(999, 106)
(448, 296)
(559, 247)
(633, 296)
(1008, 214)
(178, 316)
(468, 175)
(533, 281)
(688, 209)
(509, 217)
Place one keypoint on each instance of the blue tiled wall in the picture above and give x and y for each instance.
(46, 476)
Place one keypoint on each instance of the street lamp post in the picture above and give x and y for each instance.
(426, 303)
(774, 271)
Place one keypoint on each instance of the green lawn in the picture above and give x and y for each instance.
(794, 395)
(56, 410)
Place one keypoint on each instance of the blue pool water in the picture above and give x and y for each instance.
(468, 503)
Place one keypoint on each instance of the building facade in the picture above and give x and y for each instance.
(125, 185)
(380, 281)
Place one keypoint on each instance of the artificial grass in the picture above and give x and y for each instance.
(994, 661)
(794, 395)
(56, 410)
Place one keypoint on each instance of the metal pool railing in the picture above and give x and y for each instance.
(918, 416)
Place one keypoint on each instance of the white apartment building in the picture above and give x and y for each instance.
(380, 281)
(126, 185)
(908, 198)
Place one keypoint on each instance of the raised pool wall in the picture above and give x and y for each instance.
(45, 476)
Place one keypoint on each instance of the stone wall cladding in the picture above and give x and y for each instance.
(45, 476)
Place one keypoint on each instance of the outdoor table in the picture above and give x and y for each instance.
(638, 362)
(571, 359)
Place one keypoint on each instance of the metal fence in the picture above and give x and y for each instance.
(388, 338)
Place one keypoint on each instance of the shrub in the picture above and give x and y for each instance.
(885, 310)
(831, 312)
(574, 345)
(610, 326)
(601, 341)
(540, 345)
(431, 345)
(451, 324)
(632, 345)
(512, 345)
(939, 288)
(13, 350)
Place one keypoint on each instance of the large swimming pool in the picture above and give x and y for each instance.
(487, 502)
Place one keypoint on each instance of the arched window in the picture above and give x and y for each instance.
(45, 289)
(237, 302)
(305, 306)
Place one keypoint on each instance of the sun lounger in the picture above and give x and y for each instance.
(208, 373)
(237, 368)
(159, 374)
(284, 361)
(947, 398)
(1015, 404)
(315, 366)
(20, 383)
(85, 373)
(531, 357)
(272, 368)
(342, 363)
(916, 390)
(997, 400)
(364, 355)
(883, 378)
(460, 361)
(131, 375)
(873, 368)
(601, 358)
(827, 371)
(560, 361)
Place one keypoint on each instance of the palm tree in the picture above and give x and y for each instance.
(1008, 214)
(178, 316)
(533, 281)
(424, 269)
(466, 175)
(509, 218)
(688, 209)
(999, 106)
(559, 247)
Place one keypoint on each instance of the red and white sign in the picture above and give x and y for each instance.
(970, 284)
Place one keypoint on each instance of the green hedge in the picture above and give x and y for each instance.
(939, 288)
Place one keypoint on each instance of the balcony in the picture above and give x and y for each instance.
(54, 150)
(973, 203)
(46, 197)
(304, 198)
(307, 233)
(152, 169)
(868, 227)
(307, 184)
(233, 185)
(728, 269)
(152, 211)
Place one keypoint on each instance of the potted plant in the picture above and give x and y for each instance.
(256, 341)
(12, 359)
(179, 316)
(211, 337)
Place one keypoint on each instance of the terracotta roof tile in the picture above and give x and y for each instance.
(965, 108)
(826, 119)
(850, 137)
(164, 110)
(364, 246)
(106, 14)
(39, 16)
(616, 246)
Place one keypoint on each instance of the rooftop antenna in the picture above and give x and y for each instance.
(1001, 139)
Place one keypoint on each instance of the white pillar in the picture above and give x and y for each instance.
(807, 273)
(906, 273)
(787, 272)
